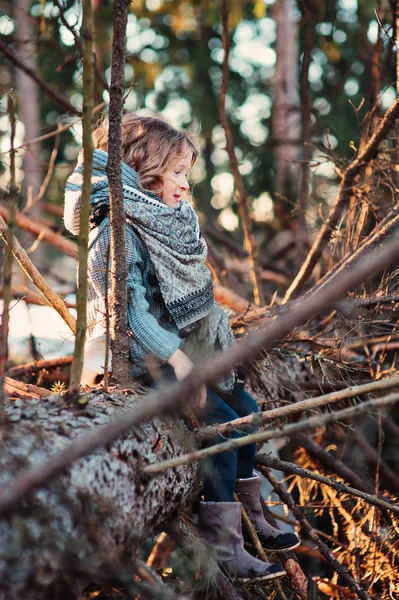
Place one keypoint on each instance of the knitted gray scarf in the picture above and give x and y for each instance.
(178, 252)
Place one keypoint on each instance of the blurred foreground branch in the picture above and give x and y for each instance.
(172, 396)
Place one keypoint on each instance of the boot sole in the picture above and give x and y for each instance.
(248, 544)
(263, 578)
(279, 550)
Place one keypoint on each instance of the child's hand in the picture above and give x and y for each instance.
(183, 366)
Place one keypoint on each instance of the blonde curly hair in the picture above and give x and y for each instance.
(149, 145)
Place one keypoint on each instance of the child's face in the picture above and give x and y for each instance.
(175, 180)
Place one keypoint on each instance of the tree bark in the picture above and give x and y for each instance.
(120, 346)
(83, 240)
(101, 509)
(27, 92)
(285, 116)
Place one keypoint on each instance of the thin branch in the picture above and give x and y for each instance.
(252, 533)
(27, 223)
(249, 240)
(83, 240)
(366, 302)
(107, 325)
(26, 264)
(324, 549)
(289, 430)
(60, 129)
(49, 174)
(385, 228)
(258, 419)
(79, 45)
(163, 547)
(26, 295)
(343, 197)
(38, 365)
(207, 371)
(118, 305)
(309, 13)
(267, 460)
(371, 455)
(331, 463)
(7, 275)
(59, 98)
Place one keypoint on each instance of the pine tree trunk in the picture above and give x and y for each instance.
(285, 117)
(99, 511)
(97, 514)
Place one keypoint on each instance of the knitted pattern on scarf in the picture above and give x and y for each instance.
(177, 250)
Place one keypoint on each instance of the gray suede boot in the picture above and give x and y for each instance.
(248, 493)
(219, 524)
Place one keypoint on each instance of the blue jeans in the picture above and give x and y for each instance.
(221, 470)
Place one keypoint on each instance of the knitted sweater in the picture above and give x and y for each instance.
(153, 335)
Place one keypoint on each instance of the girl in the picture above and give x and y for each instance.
(172, 315)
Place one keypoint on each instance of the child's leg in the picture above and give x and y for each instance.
(243, 404)
(219, 518)
(248, 484)
(220, 469)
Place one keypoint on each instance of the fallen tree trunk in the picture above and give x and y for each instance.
(104, 506)
(100, 510)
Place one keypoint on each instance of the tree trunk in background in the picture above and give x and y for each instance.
(101, 45)
(286, 116)
(28, 113)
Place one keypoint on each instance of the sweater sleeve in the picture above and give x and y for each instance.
(155, 340)
(73, 193)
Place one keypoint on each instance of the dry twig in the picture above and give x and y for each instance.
(26, 264)
(349, 175)
(59, 98)
(324, 549)
(249, 240)
(258, 419)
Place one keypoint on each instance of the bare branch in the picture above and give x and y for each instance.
(46, 233)
(289, 430)
(258, 419)
(324, 549)
(59, 98)
(38, 365)
(79, 45)
(267, 460)
(60, 129)
(26, 264)
(343, 197)
(249, 241)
